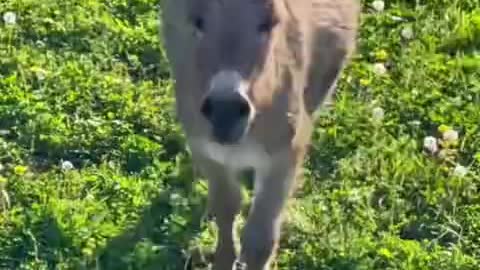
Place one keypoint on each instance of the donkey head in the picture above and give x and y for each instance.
(232, 41)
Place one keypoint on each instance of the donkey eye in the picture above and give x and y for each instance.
(199, 24)
(266, 26)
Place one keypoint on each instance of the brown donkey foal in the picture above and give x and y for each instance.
(249, 76)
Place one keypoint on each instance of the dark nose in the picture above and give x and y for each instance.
(228, 114)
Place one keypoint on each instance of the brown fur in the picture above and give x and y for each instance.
(290, 75)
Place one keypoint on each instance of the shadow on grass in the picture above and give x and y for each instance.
(162, 237)
(116, 253)
(159, 240)
(38, 238)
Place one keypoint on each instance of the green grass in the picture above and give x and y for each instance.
(87, 82)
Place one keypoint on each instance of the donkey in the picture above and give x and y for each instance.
(249, 77)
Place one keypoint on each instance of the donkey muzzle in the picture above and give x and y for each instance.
(228, 114)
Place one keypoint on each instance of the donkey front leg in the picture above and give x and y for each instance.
(261, 233)
(224, 203)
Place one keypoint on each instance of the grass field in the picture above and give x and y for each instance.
(94, 173)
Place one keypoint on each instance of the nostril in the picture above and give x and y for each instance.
(207, 108)
(244, 109)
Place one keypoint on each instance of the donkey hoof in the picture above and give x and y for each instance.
(238, 265)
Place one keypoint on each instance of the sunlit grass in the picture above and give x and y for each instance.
(94, 173)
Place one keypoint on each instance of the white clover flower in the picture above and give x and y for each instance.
(40, 43)
(378, 5)
(407, 32)
(111, 164)
(378, 114)
(67, 165)
(41, 74)
(450, 135)
(416, 123)
(175, 197)
(430, 144)
(443, 154)
(379, 69)
(10, 18)
(397, 18)
(460, 171)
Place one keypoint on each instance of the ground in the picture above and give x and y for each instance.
(94, 173)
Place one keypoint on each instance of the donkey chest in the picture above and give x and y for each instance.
(234, 157)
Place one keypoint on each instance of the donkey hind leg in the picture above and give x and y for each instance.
(224, 203)
(261, 233)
